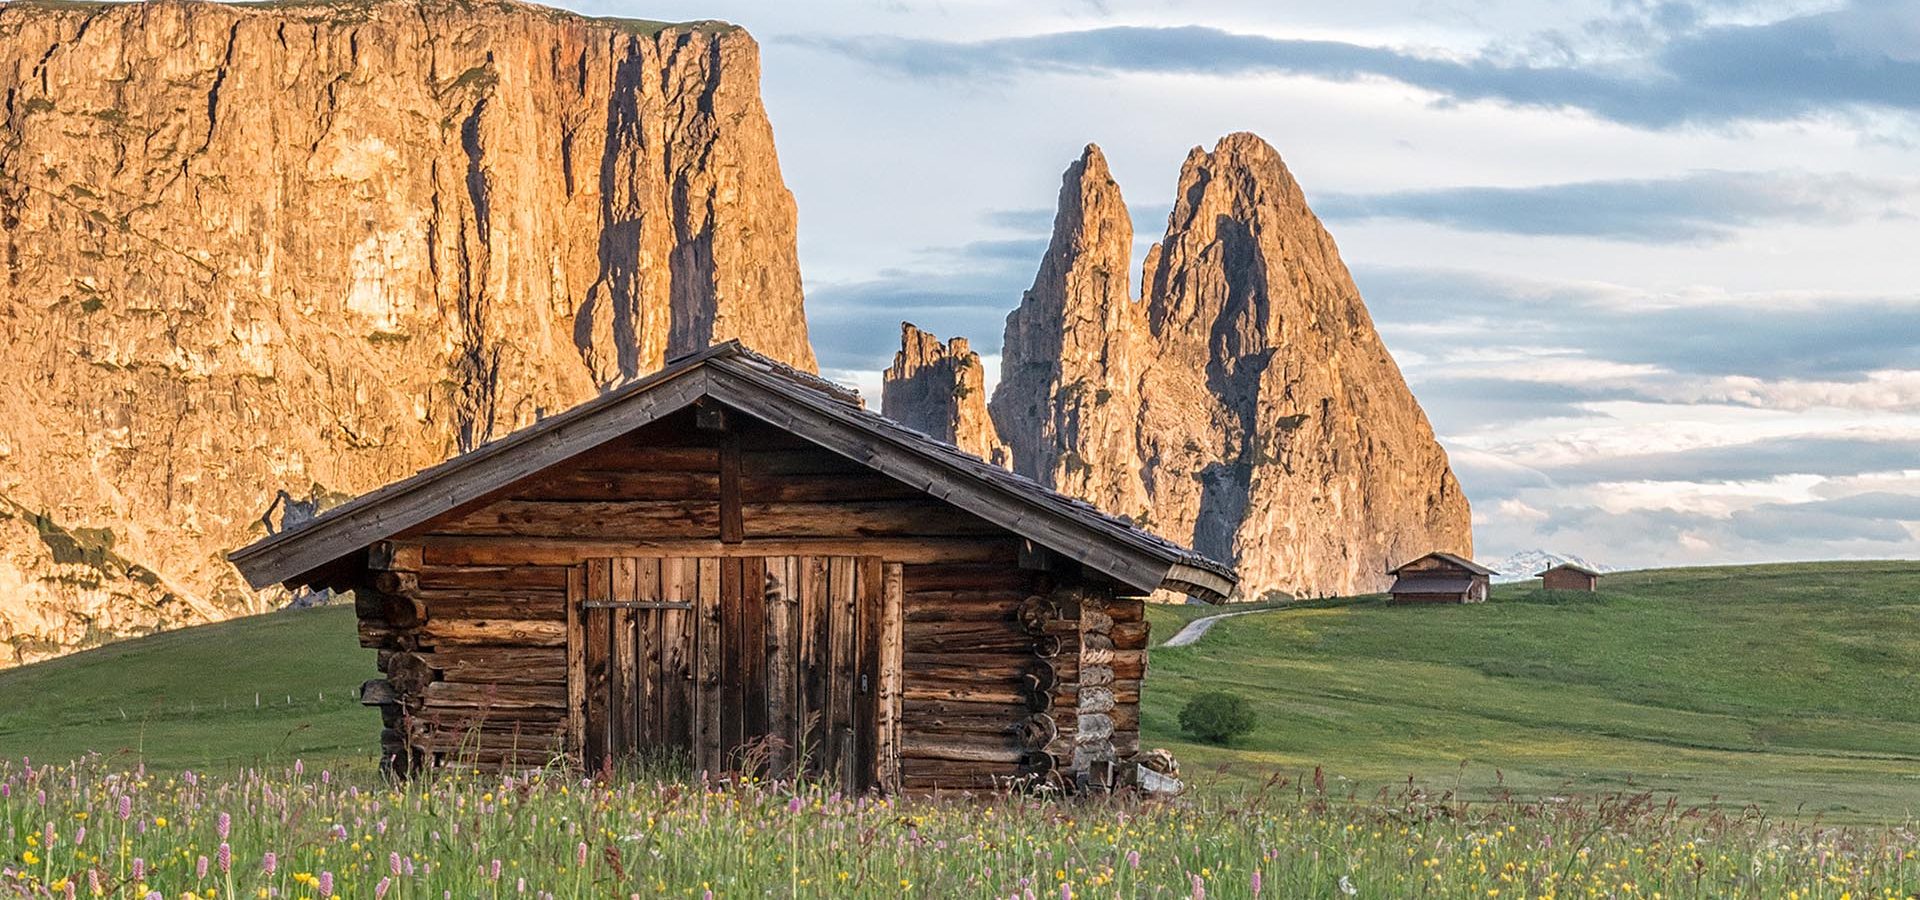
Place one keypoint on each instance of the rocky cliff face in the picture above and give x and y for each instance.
(939, 389)
(260, 258)
(1245, 403)
(1068, 403)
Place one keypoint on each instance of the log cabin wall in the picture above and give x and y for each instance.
(471, 616)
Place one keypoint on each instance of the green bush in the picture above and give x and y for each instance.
(1217, 717)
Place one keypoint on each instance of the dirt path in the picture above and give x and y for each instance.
(1198, 627)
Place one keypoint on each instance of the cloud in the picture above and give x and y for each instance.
(1835, 339)
(1878, 517)
(1700, 206)
(963, 291)
(1856, 58)
(1827, 456)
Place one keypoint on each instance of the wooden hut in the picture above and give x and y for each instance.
(733, 562)
(1440, 578)
(1569, 577)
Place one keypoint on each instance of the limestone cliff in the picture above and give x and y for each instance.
(1067, 403)
(940, 389)
(1245, 404)
(263, 257)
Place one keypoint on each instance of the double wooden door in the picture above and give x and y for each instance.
(775, 665)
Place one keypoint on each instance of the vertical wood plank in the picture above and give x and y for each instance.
(780, 603)
(892, 656)
(576, 666)
(732, 722)
(814, 671)
(623, 678)
(732, 524)
(707, 665)
(753, 646)
(679, 583)
(866, 728)
(650, 714)
(598, 576)
(841, 605)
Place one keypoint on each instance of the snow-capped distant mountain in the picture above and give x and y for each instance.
(1522, 566)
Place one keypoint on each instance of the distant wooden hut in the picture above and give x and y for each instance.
(1569, 577)
(1440, 578)
(731, 561)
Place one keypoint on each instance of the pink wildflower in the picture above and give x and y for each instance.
(80, 835)
(1199, 887)
(200, 868)
(223, 825)
(326, 884)
(1133, 859)
(1256, 883)
(224, 856)
(126, 806)
(380, 890)
(580, 854)
(269, 862)
(495, 869)
(393, 863)
(139, 868)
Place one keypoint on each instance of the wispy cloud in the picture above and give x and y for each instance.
(1859, 57)
(1700, 206)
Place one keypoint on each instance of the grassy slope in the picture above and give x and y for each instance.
(1790, 686)
(186, 698)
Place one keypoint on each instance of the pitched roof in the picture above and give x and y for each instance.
(1572, 567)
(801, 403)
(1460, 561)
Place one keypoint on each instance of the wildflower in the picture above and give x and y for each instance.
(580, 854)
(1346, 887)
(1199, 887)
(496, 870)
(80, 835)
(159, 821)
(380, 890)
(126, 807)
(223, 825)
(326, 884)
(1255, 885)
(200, 868)
(139, 868)
(224, 856)
(269, 862)
(393, 863)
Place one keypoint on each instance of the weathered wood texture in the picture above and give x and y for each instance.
(847, 623)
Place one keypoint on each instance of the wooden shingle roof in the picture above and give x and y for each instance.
(803, 404)
(1455, 559)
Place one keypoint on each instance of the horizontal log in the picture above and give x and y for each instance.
(468, 576)
(589, 519)
(501, 632)
(763, 460)
(397, 583)
(1013, 642)
(912, 708)
(652, 456)
(496, 739)
(1130, 635)
(827, 487)
(934, 769)
(623, 484)
(1126, 610)
(451, 605)
(486, 665)
(1004, 669)
(920, 747)
(455, 550)
(1000, 576)
(381, 636)
(964, 691)
(462, 718)
(860, 517)
(496, 696)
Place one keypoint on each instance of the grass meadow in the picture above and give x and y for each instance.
(1740, 732)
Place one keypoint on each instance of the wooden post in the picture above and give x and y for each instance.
(732, 524)
(892, 656)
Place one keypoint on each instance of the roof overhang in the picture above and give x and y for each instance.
(727, 373)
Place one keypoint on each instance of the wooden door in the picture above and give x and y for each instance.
(771, 664)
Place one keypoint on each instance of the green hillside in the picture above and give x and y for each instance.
(240, 692)
(1794, 687)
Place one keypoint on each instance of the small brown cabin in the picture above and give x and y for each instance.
(1440, 578)
(1569, 577)
(732, 562)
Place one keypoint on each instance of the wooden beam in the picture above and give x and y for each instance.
(459, 550)
(732, 522)
(394, 556)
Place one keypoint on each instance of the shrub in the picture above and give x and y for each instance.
(1217, 717)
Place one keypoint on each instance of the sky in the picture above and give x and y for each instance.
(1652, 268)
